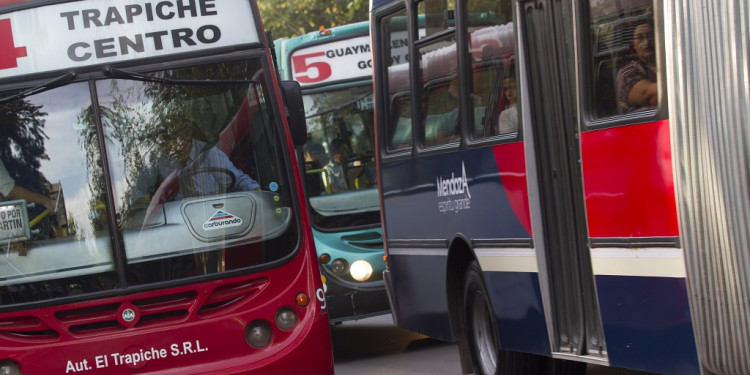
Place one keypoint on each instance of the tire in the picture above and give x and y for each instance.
(484, 345)
(481, 334)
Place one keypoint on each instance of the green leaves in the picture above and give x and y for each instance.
(286, 19)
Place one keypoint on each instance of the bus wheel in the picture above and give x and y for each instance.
(481, 334)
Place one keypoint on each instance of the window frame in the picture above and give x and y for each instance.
(587, 90)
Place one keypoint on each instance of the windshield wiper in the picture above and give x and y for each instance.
(119, 73)
(57, 82)
(338, 107)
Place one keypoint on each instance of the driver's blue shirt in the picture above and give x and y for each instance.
(203, 182)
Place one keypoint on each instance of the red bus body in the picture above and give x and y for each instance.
(191, 301)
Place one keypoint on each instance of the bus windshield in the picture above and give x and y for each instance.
(152, 177)
(339, 161)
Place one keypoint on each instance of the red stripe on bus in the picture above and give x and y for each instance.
(511, 163)
(628, 181)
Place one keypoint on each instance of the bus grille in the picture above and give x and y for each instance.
(367, 240)
(104, 318)
(27, 329)
(96, 318)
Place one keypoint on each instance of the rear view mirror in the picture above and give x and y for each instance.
(295, 111)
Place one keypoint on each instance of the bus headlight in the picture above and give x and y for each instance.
(286, 318)
(338, 266)
(9, 367)
(360, 270)
(258, 334)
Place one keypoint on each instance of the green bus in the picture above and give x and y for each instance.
(334, 69)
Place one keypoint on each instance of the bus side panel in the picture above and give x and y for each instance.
(517, 302)
(647, 323)
(432, 200)
(485, 208)
(420, 300)
(628, 181)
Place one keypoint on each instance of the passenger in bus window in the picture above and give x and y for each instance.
(636, 81)
(335, 167)
(10, 190)
(440, 113)
(508, 121)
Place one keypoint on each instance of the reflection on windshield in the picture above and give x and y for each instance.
(48, 150)
(339, 157)
(195, 172)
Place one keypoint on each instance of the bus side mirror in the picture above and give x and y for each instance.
(295, 111)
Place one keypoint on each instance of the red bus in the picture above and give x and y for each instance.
(153, 219)
(564, 183)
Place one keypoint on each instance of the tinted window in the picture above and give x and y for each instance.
(399, 126)
(493, 56)
(623, 59)
(339, 158)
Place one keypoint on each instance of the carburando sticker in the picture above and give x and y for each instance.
(221, 219)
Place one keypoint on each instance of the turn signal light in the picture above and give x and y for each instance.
(302, 299)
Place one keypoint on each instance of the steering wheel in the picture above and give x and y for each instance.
(188, 188)
(38, 218)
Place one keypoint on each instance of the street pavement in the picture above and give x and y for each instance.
(374, 346)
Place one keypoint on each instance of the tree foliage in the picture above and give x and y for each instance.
(22, 140)
(286, 19)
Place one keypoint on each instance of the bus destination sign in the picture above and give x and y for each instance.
(94, 32)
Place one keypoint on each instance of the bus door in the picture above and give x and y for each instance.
(598, 118)
(547, 38)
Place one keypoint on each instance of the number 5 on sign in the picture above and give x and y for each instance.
(306, 71)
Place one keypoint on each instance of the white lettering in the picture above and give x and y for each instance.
(451, 187)
(143, 43)
(454, 185)
(135, 358)
(77, 366)
(163, 10)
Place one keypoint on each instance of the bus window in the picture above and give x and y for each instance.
(439, 102)
(180, 151)
(400, 117)
(438, 15)
(399, 132)
(492, 46)
(68, 251)
(340, 141)
(623, 59)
